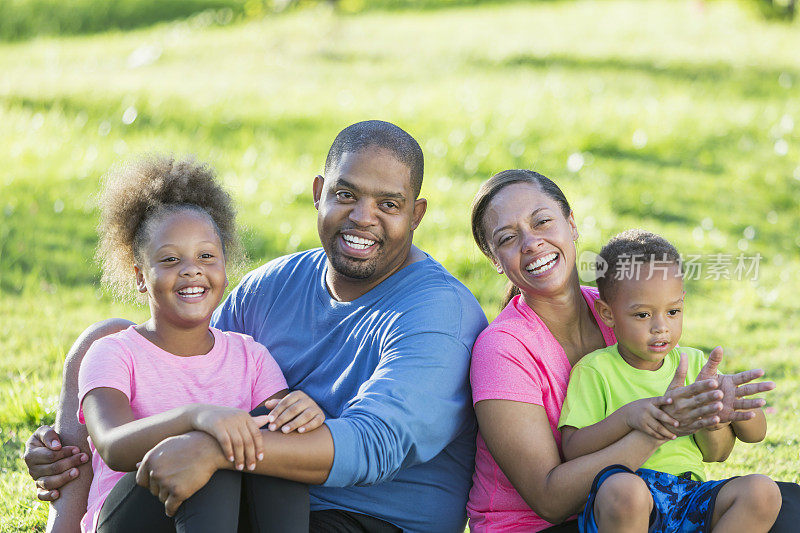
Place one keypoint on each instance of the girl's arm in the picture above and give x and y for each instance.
(122, 441)
(520, 439)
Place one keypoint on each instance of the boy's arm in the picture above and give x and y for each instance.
(715, 443)
(753, 430)
(643, 415)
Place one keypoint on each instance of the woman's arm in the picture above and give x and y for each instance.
(519, 438)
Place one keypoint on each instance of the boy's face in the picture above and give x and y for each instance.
(646, 314)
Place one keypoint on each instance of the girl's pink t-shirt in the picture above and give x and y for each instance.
(237, 372)
(517, 358)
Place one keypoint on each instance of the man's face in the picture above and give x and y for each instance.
(367, 215)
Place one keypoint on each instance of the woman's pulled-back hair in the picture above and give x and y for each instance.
(491, 188)
(134, 194)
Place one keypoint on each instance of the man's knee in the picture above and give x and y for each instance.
(621, 498)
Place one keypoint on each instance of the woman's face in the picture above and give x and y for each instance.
(531, 239)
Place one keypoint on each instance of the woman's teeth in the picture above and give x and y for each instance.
(543, 264)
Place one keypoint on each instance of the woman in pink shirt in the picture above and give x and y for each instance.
(521, 363)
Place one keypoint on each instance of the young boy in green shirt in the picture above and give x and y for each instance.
(641, 298)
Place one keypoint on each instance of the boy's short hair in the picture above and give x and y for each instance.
(631, 249)
(380, 134)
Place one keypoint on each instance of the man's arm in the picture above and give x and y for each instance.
(66, 482)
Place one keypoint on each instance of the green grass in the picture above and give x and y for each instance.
(686, 117)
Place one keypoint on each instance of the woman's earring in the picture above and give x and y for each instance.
(499, 269)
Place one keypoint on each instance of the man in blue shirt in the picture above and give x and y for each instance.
(373, 329)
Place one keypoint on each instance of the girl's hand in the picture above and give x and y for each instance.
(235, 430)
(646, 416)
(296, 410)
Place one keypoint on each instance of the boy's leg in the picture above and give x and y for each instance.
(623, 503)
(747, 504)
(276, 505)
(213, 508)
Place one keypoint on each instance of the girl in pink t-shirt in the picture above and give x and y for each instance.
(172, 225)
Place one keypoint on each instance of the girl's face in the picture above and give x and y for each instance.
(531, 239)
(184, 269)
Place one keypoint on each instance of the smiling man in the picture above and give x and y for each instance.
(373, 329)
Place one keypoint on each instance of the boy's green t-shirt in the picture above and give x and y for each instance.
(602, 382)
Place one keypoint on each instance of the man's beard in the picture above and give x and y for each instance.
(353, 268)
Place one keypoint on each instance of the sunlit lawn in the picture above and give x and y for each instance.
(679, 117)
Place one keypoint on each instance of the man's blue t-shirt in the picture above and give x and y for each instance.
(390, 370)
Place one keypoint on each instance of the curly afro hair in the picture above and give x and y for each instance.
(631, 247)
(134, 194)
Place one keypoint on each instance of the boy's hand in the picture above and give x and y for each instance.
(236, 431)
(735, 408)
(296, 410)
(646, 416)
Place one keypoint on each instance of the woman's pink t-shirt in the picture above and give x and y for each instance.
(237, 372)
(517, 358)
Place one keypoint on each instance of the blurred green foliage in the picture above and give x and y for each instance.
(679, 117)
(21, 19)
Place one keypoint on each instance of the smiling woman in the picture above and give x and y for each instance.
(521, 364)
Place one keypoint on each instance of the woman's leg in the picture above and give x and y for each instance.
(276, 505)
(749, 503)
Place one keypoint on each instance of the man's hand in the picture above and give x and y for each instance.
(695, 406)
(297, 411)
(178, 467)
(49, 464)
(734, 387)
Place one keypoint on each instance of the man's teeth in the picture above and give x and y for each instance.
(192, 292)
(357, 242)
(543, 264)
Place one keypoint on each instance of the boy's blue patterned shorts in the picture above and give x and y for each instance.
(679, 505)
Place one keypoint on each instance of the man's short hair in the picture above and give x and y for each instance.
(378, 133)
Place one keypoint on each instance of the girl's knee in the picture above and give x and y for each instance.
(622, 497)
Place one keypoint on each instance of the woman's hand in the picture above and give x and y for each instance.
(646, 416)
(237, 432)
(296, 410)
